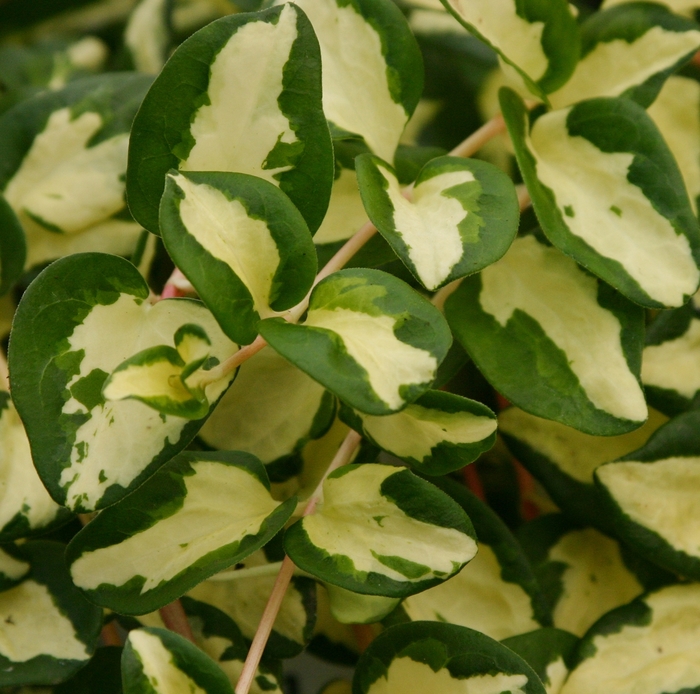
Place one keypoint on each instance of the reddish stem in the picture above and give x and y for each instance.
(473, 481)
(175, 619)
(110, 635)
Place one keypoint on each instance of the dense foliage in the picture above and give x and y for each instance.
(285, 373)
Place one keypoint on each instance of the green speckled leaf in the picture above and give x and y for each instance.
(78, 321)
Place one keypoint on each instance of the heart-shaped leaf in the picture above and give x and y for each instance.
(79, 320)
(158, 661)
(374, 95)
(48, 630)
(438, 433)
(497, 592)
(607, 191)
(463, 215)
(368, 338)
(540, 40)
(553, 340)
(629, 51)
(242, 244)
(564, 459)
(243, 94)
(415, 538)
(430, 656)
(203, 511)
(652, 642)
(651, 496)
(62, 165)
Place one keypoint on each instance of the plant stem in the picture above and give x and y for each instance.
(465, 149)
(175, 619)
(110, 635)
(343, 456)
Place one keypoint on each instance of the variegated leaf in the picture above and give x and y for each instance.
(676, 113)
(463, 215)
(444, 658)
(564, 459)
(497, 592)
(540, 40)
(48, 630)
(549, 652)
(79, 321)
(608, 192)
(629, 51)
(158, 661)
(242, 244)
(553, 340)
(372, 69)
(355, 608)
(62, 165)
(199, 514)
(584, 573)
(332, 641)
(671, 360)
(243, 594)
(147, 35)
(271, 410)
(652, 642)
(249, 101)
(25, 506)
(368, 338)
(102, 674)
(651, 496)
(415, 537)
(438, 433)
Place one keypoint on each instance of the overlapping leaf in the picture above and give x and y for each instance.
(249, 101)
(48, 630)
(650, 495)
(62, 165)
(429, 656)
(13, 247)
(497, 592)
(438, 433)
(271, 410)
(199, 514)
(608, 192)
(368, 338)
(159, 661)
(242, 244)
(463, 215)
(652, 642)
(243, 596)
(553, 340)
(629, 51)
(382, 532)
(540, 40)
(584, 573)
(372, 70)
(82, 318)
(549, 652)
(563, 459)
